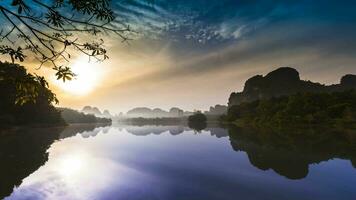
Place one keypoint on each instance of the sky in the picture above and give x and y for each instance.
(193, 54)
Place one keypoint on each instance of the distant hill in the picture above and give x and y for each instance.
(96, 111)
(91, 110)
(282, 82)
(154, 113)
(71, 116)
(217, 110)
(144, 112)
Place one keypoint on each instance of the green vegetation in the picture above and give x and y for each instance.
(72, 116)
(50, 31)
(338, 108)
(198, 121)
(285, 81)
(25, 98)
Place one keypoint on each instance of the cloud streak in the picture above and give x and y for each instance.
(192, 54)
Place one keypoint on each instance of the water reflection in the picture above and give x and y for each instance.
(174, 162)
(85, 130)
(172, 130)
(24, 150)
(289, 153)
(155, 130)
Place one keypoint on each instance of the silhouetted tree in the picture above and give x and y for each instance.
(73, 116)
(285, 81)
(298, 109)
(25, 98)
(198, 121)
(51, 31)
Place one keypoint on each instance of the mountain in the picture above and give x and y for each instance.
(96, 111)
(176, 112)
(106, 113)
(71, 116)
(91, 110)
(140, 112)
(217, 110)
(282, 82)
(154, 113)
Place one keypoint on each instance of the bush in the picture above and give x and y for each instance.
(197, 121)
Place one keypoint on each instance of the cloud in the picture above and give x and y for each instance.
(194, 53)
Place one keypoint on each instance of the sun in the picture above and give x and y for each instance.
(88, 75)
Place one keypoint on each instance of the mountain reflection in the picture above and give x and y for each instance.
(156, 130)
(290, 153)
(85, 130)
(172, 130)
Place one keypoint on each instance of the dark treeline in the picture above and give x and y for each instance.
(25, 98)
(302, 108)
(72, 116)
(198, 121)
(281, 99)
(285, 81)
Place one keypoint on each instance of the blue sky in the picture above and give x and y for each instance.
(215, 21)
(193, 54)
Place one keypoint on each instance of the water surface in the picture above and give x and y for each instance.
(174, 162)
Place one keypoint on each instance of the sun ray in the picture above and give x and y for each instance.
(88, 75)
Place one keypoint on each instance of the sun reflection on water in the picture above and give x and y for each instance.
(71, 164)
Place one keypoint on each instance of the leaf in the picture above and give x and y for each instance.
(15, 3)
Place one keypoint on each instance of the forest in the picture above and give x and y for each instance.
(26, 98)
(337, 108)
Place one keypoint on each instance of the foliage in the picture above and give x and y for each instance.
(25, 98)
(282, 82)
(73, 116)
(198, 121)
(52, 30)
(301, 108)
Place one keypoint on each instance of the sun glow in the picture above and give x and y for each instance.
(88, 75)
(71, 165)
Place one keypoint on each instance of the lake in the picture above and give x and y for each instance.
(175, 162)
